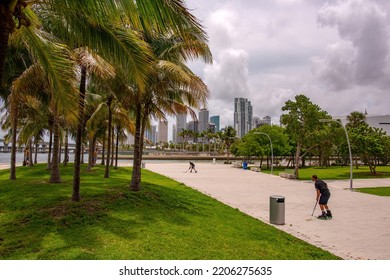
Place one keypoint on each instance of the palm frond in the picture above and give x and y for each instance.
(94, 63)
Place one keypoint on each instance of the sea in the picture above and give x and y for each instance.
(5, 159)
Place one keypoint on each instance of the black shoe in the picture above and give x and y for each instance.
(322, 216)
(329, 214)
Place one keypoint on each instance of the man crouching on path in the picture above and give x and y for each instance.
(322, 197)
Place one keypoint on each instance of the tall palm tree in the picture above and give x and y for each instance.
(172, 87)
(228, 136)
(91, 62)
(82, 20)
(30, 83)
(109, 107)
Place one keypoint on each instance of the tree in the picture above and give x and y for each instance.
(89, 25)
(367, 142)
(172, 87)
(23, 102)
(279, 138)
(303, 125)
(228, 137)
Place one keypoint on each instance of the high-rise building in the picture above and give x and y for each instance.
(215, 120)
(260, 122)
(162, 131)
(193, 126)
(203, 119)
(243, 115)
(212, 128)
(181, 124)
(174, 134)
(150, 134)
(256, 122)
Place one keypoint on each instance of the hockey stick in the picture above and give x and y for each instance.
(312, 214)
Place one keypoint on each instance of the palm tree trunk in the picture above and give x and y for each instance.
(30, 155)
(91, 150)
(50, 144)
(59, 151)
(136, 175)
(143, 127)
(112, 146)
(55, 176)
(66, 151)
(36, 150)
(116, 148)
(7, 25)
(107, 172)
(14, 114)
(82, 152)
(103, 149)
(77, 154)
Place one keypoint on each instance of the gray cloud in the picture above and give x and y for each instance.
(335, 52)
(364, 24)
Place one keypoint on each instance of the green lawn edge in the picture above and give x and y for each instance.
(380, 191)
(335, 172)
(166, 220)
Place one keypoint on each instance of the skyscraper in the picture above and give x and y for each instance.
(215, 120)
(174, 134)
(193, 126)
(260, 122)
(162, 131)
(203, 120)
(243, 115)
(181, 124)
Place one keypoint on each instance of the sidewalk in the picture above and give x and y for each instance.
(360, 228)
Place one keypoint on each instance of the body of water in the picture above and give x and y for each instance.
(5, 159)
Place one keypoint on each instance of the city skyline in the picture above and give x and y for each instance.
(337, 53)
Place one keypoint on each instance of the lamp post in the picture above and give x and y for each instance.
(272, 151)
(349, 148)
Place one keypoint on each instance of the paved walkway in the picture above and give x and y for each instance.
(360, 228)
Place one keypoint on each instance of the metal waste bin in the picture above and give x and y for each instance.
(276, 209)
(142, 164)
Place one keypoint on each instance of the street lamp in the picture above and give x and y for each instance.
(349, 147)
(272, 151)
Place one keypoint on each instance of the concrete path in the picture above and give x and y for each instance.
(360, 228)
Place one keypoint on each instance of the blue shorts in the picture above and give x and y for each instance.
(324, 199)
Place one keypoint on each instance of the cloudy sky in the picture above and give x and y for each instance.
(334, 52)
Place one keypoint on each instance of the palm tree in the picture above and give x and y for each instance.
(228, 136)
(172, 87)
(30, 83)
(91, 62)
(88, 26)
(108, 106)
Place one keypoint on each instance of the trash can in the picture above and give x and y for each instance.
(245, 165)
(276, 209)
(143, 165)
(214, 161)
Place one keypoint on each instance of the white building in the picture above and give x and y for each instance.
(162, 134)
(243, 116)
(203, 120)
(181, 124)
(378, 121)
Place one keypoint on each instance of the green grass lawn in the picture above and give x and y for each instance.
(381, 191)
(336, 172)
(165, 220)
